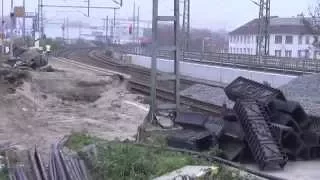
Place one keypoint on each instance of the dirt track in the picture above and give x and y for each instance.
(50, 105)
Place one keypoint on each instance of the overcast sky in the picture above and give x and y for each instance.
(212, 14)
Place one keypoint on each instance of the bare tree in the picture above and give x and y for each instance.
(313, 23)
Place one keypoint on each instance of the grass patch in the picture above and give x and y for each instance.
(127, 161)
(4, 175)
(79, 140)
(123, 161)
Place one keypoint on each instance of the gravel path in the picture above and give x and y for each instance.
(209, 94)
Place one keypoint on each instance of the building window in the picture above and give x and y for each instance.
(289, 40)
(277, 53)
(300, 53)
(240, 50)
(278, 40)
(288, 53)
(300, 39)
(241, 39)
(307, 39)
(248, 50)
(316, 55)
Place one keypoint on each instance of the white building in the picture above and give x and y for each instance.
(289, 37)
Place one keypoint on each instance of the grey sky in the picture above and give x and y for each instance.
(212, 14)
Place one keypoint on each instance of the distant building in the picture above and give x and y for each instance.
(289, 37)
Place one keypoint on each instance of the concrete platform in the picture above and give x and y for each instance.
(214, 73)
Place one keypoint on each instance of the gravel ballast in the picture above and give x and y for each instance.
(306, 91)
(208, 94)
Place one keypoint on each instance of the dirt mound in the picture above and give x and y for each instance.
(10, 79)
(50, 105)
(68, 88)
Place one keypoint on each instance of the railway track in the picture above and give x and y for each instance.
(140, 80)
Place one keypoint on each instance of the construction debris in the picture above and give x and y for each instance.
(262, 121)
(28, 58)
(263, 146)
(191, 140)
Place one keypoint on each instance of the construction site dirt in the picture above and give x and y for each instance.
(46, 106)
(40, 107)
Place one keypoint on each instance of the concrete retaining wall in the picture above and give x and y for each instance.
(214, 73)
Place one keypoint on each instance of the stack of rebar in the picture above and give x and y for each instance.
(61, 166)
(64, 167)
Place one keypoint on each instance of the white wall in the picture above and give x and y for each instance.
(237, 44)
(213, 73)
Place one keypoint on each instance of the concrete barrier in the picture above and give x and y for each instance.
(214, 73)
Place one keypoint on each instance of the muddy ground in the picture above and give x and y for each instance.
(45, 106)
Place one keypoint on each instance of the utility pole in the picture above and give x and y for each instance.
(107, 28)
(67, 29)
(11, 30)
(266, 29)
(63, 29)
(134, 22)
(155, 108)
(263, 40)
(88, 8)
(186, 24)
(138, 24)
(2, 26)
(40, 21)
(114, 25)
(24, 22)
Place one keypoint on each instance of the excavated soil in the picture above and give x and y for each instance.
(46, 106)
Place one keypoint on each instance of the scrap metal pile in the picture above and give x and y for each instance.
(31, 58)
(262, 126)
(61, 166)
